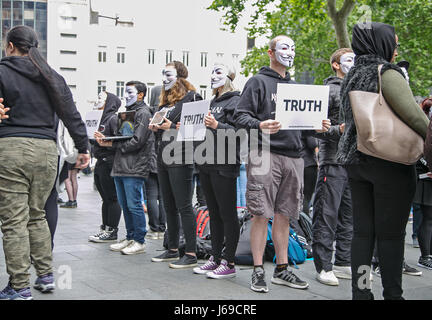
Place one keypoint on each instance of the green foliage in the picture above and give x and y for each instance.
(308, 23)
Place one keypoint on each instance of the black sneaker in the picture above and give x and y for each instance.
(186, 261)
(166, 256)
(258, 283)
(110, 235)
(288, 278)
(425, 262)
(69, 204)
(410, 270)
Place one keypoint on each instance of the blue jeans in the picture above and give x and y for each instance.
(129, 191)
(241, 187)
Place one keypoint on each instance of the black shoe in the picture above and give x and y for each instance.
(410, 270)
(186, 261)
(110, 235)
(60, 200)
(288, 278)
(69, 204)
(166, 256)
(425, 262)
(258, 283)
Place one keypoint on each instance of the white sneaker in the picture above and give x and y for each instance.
(134, 248)
(121, 245)
(152, 235)
(342, 272)
(161, 235)
(327, 278)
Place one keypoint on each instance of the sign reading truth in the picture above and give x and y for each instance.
(192, 126)
(301, 107)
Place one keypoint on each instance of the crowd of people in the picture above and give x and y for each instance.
(360, 202)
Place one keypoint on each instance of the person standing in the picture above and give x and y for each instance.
(381, 191)
(332, 208)
(219, 179)
(28, 158)
(133, 161)
(308, 152)
(175, 167)
(111, 211)
(274, 188)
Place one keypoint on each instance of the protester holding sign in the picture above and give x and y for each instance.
(174, 169)
(111, 211)
(274, 188)
(219, 179)
(381, 190)
(332, 208)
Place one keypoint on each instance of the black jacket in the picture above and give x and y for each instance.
(179, 156)
(328, 143)
(32, 113)
(222, 108)
(308, 151)
(108, 127)
(135, 157)
(258, 103)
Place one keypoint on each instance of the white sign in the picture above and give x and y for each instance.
(92, 120)
(301, 107)
(192, 127)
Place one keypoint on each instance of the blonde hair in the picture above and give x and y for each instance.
(228, 86)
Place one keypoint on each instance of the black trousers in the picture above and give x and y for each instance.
(155, 207)
(221, 195)
(111, 211)
(51, 213)
(425, 231)
(310, 181)
(332, 218)
(382, 193)
(177, 190)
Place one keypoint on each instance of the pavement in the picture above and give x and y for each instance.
(90, 271)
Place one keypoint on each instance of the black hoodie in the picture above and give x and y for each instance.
(258, 103)
(108, 126)
(222, 108)
(32, 114)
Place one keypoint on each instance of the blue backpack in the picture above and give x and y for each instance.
(296, 253)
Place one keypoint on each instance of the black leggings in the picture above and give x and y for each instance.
(381, 192)
(51, 213)
(177, 190)
(425, 231)
(155, 207)
(221, 195)
(111, 211)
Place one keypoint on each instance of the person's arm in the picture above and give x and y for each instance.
(247, 107)
(334, 133)
(141, 134)
(229, 116)
(399, 96)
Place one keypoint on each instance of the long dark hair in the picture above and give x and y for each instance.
(26, 41)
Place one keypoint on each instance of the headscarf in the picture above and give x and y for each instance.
(378, 39)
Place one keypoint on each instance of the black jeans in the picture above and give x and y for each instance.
(425, 231)
(155, 207)
(332, 218)
(221, 195)
(310, 179)
(177, 190)
(111, 211)
(382, 193)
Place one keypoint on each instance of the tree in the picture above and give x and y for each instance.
(320, 27)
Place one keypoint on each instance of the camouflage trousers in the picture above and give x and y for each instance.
(28, 168)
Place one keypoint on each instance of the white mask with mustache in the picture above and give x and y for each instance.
(169, 77)
(131, 95)
(219, 76)
(102, 97)
(285, 52)
(347, 62)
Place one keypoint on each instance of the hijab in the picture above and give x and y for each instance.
(377, 39)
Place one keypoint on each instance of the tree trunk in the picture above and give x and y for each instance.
(339, 19)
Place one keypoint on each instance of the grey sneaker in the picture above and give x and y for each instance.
(288, 278)
(258, 283)
(166, 256)
(408, 270)
(186, 261)
(98, 234)
(415, 243)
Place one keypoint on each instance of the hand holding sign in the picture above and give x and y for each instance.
(193, 127)
(3, 110)
(270, 126)
(325, 126)
(210, 121)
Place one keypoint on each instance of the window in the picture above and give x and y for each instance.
(101, 86)
(204, 59)
(250, 43)
(168, 56)
(150, 87)
(68, 69)
(72, 86)
(120, 86)
(68, 35)
(235, 57)
(68, 52)
(17, 13)
(203, 92)
(120, 57)
(219, 55)
(66, 18)
(102, 56)
(186, 58)
(151, 56)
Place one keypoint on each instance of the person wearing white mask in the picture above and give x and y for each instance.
(219, 178)
(332, 207)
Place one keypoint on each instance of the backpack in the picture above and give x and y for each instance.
(243, 255)
(203, 223)
(296, 253)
